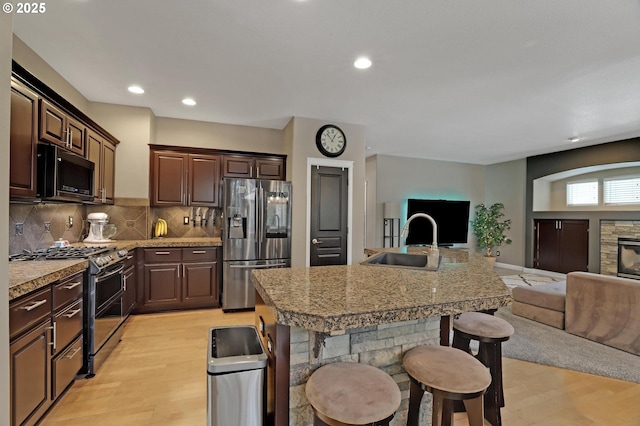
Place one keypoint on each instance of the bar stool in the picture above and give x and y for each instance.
(450, 375)
(349, 393)
(490, 332)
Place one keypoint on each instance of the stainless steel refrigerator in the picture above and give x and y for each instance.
(256, 234)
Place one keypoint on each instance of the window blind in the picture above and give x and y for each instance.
(622, 190)
(582, 193)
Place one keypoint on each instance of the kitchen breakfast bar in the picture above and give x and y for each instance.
(308, 317)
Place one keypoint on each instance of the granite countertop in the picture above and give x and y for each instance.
(27, 276)
(335, 298)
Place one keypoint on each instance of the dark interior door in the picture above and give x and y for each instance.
(329, 209)
(573, 246)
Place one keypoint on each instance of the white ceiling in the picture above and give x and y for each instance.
(464, 80)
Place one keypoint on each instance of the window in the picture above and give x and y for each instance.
(622, 190)
(582, 193)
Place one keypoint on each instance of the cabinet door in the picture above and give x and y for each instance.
(546, 244)
(200, 284)
(94, 153)
(204, 175)
(129, 298)
(23, 139)
(108, 172)
(270, 168)
(30, 375)
(52, 124)
(237, 166)
(573, 246)
(168, 178)
(76, 136)
(162, 285)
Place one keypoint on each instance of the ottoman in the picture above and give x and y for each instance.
(542, 303)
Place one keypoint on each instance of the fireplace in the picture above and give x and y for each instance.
(629, 258)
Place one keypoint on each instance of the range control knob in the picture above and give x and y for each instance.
(122, 253)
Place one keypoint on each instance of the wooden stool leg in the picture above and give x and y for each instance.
(415, 397)
(462, 343)
(317, 421)
(447, 412)
(437, 412)
(491, 354)
(474, 411)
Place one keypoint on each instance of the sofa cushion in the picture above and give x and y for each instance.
(536, 313)
(549, 296)
(605, 309)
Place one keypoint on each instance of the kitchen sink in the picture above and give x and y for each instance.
(404, 260)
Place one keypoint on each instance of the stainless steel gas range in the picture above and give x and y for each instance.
(104, 313)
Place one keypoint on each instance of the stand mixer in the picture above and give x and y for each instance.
(99, 229)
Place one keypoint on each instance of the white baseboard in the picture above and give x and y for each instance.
(508, 266)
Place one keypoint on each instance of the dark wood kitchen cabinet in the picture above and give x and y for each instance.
(561, 245)
(46, 347)
(179, 278)
(183, 179)
(258, 167)
(58, 127)
(129, 298)
(103, 154)
(23, 140)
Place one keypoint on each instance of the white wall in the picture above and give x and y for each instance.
(505, 184)
(30, 60)
(6, 27)
(399, 178)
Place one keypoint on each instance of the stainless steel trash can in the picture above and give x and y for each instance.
(236, 371)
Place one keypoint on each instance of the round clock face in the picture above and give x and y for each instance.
(330, 140)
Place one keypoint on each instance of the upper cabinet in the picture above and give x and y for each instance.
(249, 166)
(103, 154)
(40, 115)
(23, 139)
(62, 129)
(181, 176)
(182, 179)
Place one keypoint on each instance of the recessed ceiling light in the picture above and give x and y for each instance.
(188, 101)
(136, 89)
(574, 139)
(362, 63)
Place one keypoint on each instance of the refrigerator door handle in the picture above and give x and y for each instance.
(272, 265)
(262, 214)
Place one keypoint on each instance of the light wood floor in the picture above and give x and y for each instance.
(157, 376)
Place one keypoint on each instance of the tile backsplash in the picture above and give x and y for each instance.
(42, 224)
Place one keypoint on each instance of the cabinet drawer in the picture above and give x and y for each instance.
(67, 290)
(66, 366)
(68, 325)
(199, 254)
(161, 255)
(28, 311)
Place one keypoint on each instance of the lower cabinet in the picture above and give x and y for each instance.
(561, 245)
(46, 347)
(179, 278)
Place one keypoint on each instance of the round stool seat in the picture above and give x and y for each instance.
(483, 326)
(447, 369)
(352, 393)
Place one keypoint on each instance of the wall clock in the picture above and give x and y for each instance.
(330, 140)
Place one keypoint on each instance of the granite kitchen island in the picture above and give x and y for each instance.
(371, 314)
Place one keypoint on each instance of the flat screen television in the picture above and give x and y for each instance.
(452, 218)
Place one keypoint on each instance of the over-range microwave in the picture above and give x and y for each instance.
(63, 175)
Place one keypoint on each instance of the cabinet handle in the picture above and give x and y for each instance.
(34, 305)
(73, 313)
(72, 354)
(72, 285)
(199, 252)
(159, 253)
(53, 337)
(70, 138)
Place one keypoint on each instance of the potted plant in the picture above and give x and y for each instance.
(489, 227)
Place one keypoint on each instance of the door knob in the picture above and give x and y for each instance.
(315, 241)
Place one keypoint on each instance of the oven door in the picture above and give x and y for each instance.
(109, 314)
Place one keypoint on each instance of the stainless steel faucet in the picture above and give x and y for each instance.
(433, 255)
